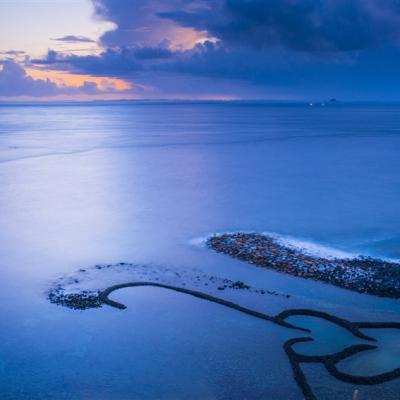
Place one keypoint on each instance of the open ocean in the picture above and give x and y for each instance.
(87, 184)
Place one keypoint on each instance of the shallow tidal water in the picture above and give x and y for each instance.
(108, 183)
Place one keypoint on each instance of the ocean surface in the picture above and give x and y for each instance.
(87, 184)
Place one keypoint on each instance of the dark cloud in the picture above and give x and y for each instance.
(121, 62)
(300, 25)
(74, 39)
(112, 62)
(152, 53)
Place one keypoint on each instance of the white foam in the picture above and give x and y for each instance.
(305, 246)
(199, 241)
(311, 248)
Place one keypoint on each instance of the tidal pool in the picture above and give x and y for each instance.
(328, 337)
(378, 361)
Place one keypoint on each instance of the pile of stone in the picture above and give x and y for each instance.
(361, 274)
(77, 301)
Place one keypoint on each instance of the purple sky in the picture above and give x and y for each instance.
(245, 49)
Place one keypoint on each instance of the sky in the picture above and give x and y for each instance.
(200, 49)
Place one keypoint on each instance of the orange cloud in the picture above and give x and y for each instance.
(66, 79)
(182, 38)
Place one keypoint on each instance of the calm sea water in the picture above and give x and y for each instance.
(87, 184)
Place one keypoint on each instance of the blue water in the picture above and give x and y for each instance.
(87, 184)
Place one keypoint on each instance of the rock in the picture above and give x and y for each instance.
(362, 274)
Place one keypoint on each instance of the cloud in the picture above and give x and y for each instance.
(152, 53)
(300, 25)
(137, 24)
(112, 62)
(14, 82)
(74, 39)
(303, 47)
(121, 62)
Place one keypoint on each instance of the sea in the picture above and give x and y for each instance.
(144, 182)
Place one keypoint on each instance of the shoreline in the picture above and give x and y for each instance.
(360, 274)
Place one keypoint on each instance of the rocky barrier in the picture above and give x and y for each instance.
(84, 290)
(361, 274)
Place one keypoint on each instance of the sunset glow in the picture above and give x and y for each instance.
(67, 79)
